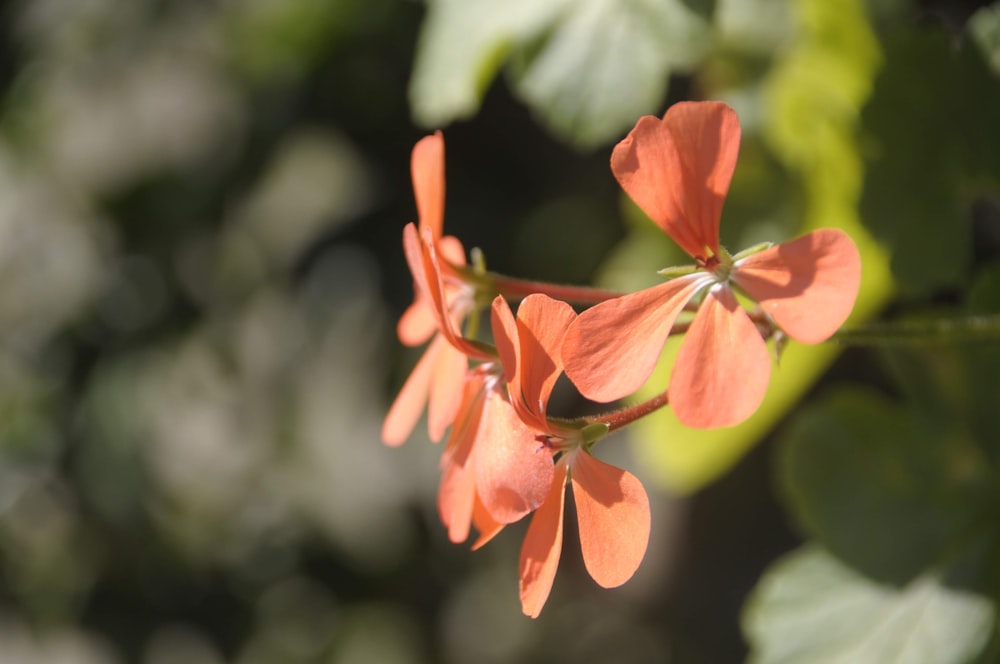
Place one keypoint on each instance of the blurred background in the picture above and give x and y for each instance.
(201, 207)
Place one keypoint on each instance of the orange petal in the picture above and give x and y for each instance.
(505, 337)
(455, 500)
(410, 402)
(425, 265)
(436, 291)
(807, 285)
(465, 428)
(529, 350)
(723, 367)
(613, 511)
(487, 526)
(611, 348)
(451, 250)
(678, 170)
(420, 255)
(427, 171)
(420, 320)
(449, 376)
(413, 253)
(457, 492)
(417, 324)
(513, 469)
(541, 325)
(542, 547)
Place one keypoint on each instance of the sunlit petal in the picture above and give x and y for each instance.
(807, 285)
(417, 324)
(452, 250)
(723, 367)
(456, 498)
(487, 526)
(611, 349)
(413, 252)
(613, 512)
(505, 337)
(450, 371)
(410, 402)
(513, 469)
(457, 492)
(529, 349)
(542, 547)
(678, 170)
(434, 285)
(541, 325)
(427, 171)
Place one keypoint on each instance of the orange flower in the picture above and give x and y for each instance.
(612, 506)
(678, 171)
(442, 301)
(494, 470)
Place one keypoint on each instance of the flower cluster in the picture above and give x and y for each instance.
(505, 457)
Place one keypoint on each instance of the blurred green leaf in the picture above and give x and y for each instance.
(984, 26)
(589, 68)
(810, 608)
(954, 386)
(463, 44)
(932, 136)
(884, 491)
(283, 38)
(754, 26)
(605, 63)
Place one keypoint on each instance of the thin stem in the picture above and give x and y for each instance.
(619, 418)
(517, 289)
(924, 332)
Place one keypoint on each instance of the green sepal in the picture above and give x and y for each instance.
(677, 271)
(593, 432)
(755, 249)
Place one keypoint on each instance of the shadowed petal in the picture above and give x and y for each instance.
(420, 320)
(451, 250)
(424, 263)
(541, 325)
(723, 367)
(449, 375)
(807, 285)
(457, 491)
(456, 498)
(678, 170)
(613, 511)
(417, 323)
(611, 349)
(513, 469)
(458, 501)
(505, 337)
(529, 349)
(427, 171)
(485, 524)
(412, 398)
(542, 547)
(414, 255)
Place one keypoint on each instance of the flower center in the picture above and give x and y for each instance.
(720, 265)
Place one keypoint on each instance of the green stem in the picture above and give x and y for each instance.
(625, 416)
(923, 332)
(518, 289)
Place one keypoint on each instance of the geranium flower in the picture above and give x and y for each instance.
(442, 301)
(494, 471)
(611, 504)
(678, 171)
